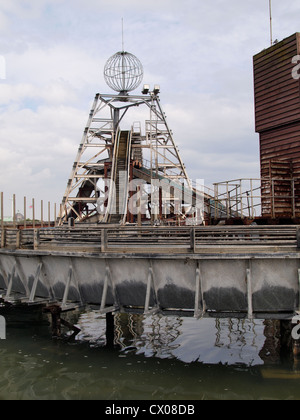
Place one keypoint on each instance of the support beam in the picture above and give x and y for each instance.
(198, 292)
(107, 280)
(249, 292)
(150, 286)
(35, 283)
(10, 282)
(67, 288)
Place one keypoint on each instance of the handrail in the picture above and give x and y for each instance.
(111, 198)
(126, 188)
(268, 197)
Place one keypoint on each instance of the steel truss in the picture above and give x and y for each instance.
(95, 166)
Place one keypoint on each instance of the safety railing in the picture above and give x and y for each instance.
(257, 197)
(149, 239)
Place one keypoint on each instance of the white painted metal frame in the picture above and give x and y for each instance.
(98, 146)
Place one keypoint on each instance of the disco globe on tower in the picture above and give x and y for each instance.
(123, 72)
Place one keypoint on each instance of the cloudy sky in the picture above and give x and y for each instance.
(199, 51)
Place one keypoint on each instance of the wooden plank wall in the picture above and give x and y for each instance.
(277, 98)
(277, 120)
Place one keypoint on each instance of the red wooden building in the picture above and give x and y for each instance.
(277, 118)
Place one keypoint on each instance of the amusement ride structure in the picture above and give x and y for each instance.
(130, 175)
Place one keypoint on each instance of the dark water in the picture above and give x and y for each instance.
(154, 358)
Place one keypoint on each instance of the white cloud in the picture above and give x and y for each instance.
(38, 148)
(200, 52)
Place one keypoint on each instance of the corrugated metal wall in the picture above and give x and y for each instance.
(277, 117)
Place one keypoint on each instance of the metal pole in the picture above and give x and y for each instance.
(216, 200)
(271, 26)
(122, 34)
(227, 201)
(241, 193)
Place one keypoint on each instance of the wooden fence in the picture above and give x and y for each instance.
(28, 213)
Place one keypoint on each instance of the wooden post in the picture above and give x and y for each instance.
(36, 239)
(193, 239)
(33, 213)
(18, 239)
(25, 215)
(49, 211)
(103, 240)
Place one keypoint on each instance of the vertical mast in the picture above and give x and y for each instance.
(271, 23)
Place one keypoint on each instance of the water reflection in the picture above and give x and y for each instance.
(207, 340)
(157, 357)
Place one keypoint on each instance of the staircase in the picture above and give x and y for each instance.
(121, 178)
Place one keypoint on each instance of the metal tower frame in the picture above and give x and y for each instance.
(98, 154)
